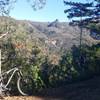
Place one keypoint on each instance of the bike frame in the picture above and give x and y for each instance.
(13, 70)
(4, 83)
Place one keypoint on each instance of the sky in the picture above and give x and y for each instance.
(54, 9)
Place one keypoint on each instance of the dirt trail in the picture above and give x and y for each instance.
(22, 98)
(85, 90)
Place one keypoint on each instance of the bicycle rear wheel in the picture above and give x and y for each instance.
(25, 85)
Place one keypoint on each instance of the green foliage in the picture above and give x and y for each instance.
(76, 65)
(67, 62)
(38, 82)
(8, 54)
(88, 10)
(73, 65)
(94, 26)
(87, 61)
(32, 67)
(94, 58)
(12, 57)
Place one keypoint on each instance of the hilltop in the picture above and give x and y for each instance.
(51, 36)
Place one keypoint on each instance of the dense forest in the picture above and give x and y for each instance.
(54, 53)
(49, 52)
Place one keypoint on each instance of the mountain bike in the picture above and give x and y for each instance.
(24, 83)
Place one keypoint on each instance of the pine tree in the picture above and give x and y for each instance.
(85, 13)
(82, 14)
(88, 11)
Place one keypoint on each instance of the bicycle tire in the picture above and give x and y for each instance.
(25, 85)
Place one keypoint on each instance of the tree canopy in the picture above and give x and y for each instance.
(7, 5)
(83, 14)
(88, 11)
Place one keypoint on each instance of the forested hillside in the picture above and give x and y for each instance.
(52, 36)
(48, 51)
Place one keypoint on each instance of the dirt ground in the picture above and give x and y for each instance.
(85, 90)
(21, 98)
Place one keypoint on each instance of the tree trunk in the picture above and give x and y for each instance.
(0, 76)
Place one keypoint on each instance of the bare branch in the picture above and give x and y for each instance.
(37, 4)
(3, 35)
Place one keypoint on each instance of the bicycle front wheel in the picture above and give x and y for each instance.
(25, 85)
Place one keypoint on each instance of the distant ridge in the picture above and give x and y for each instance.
(55, 35)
